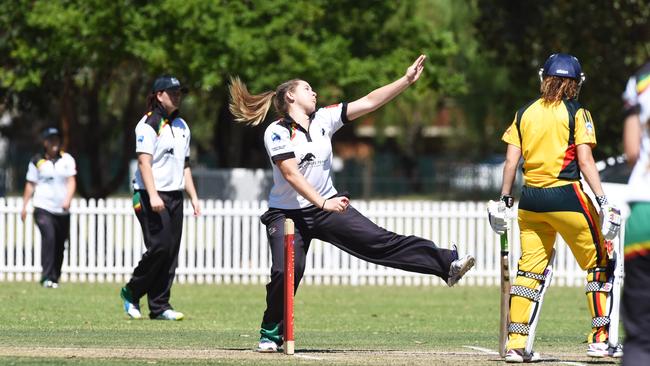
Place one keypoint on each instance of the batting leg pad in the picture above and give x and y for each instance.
(526, 297)
(599, 300)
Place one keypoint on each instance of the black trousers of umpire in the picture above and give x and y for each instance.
(161, 232)
(55, 229)
(636, 311)
(351, 232)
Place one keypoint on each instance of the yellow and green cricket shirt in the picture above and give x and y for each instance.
(549, 135)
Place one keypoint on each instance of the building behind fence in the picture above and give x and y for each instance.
(227, 244)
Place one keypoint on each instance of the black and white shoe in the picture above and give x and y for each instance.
(459, 267)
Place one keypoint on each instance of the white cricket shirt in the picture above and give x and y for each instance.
(637, 94)
(169, 145)
(312, 148)
(49, 178)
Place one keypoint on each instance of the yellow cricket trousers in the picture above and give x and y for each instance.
(544, 212)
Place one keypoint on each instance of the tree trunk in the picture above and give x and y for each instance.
(68, 112)
(128, 122)
(93, 142)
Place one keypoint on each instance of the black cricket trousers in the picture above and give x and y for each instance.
(55, 229)
(161, 232)
(636, 311)
(351, 232)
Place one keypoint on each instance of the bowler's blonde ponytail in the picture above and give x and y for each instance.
(247, 108)
(252, 109)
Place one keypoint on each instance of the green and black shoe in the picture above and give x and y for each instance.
(270, 338)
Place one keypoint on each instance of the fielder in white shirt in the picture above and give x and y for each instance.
(51, 180)
(299, 146)
(163, 149)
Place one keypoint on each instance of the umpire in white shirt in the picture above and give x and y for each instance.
(163, 150)
(51, 180)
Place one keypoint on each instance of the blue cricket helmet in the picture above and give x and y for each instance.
(562, 65)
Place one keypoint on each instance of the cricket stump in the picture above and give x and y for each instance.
(289, 346)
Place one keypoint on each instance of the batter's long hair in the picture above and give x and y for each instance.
(554, 89)
(152, 102)
(252, 109)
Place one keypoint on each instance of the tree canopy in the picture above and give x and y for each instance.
(610, 38)
(87, 65)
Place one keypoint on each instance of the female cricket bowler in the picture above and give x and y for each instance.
(299, 147)
(163, 150)
(555, 135)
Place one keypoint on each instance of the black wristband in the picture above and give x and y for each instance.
(602, 200)
(323, 206)
(507, 199)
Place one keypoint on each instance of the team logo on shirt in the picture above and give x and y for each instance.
(589, 125)
(322, 131)
(276, 140)
(309, 157)
(140, 139)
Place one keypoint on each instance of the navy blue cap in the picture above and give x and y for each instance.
(49, 132)
(167, 82)
(562, 65)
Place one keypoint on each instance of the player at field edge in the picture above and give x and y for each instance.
(162, 145)
(51, 179)
(636, 294)
(555, 136)
(300, 152)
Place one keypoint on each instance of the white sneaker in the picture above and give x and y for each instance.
(459, 267)
(170, 314)
(598, 350)
(50, 284)
(616, 352)
(519, 356)
(131, 309)
(266, 346)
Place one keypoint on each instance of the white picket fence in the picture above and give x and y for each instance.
(227, 244)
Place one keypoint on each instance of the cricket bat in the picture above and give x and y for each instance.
(505, 295)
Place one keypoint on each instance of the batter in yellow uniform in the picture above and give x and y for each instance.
(555, 135)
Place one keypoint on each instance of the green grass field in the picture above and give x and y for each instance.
(83, 324)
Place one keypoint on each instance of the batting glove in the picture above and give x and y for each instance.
(497, 214)
(610, 218)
